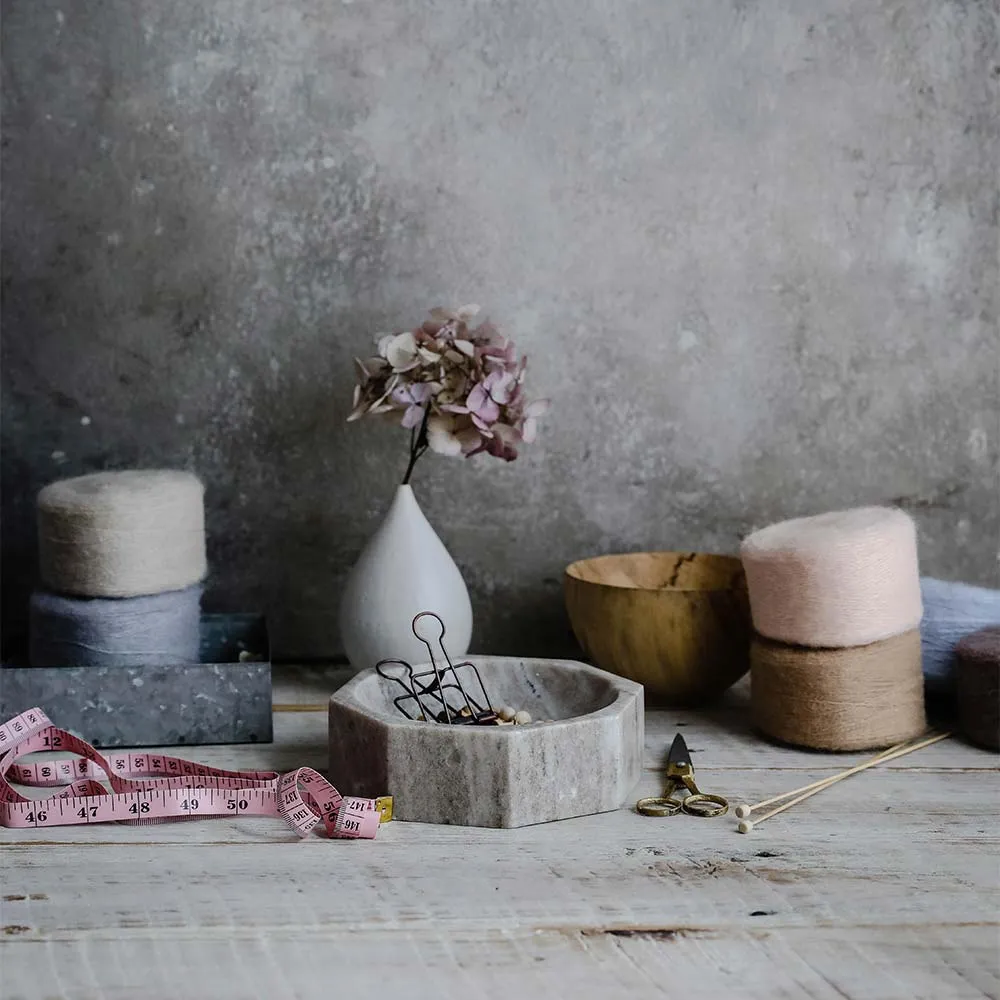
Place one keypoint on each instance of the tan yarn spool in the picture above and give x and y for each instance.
(847, 578)
(122, 534)
(861, 698)
(977, 684)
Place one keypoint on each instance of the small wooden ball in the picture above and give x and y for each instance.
(746, 825)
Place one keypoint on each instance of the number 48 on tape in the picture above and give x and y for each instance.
(151, 786)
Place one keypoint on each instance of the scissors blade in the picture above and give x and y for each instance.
(679, 751)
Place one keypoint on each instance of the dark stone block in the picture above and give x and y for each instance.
(221, 700)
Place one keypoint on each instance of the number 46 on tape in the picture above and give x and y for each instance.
(151, 786)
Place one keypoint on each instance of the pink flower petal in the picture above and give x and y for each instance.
(500, 450)
(412, 416)
(479, 403)
(471, 441)
(478, 396)
(502, 388)
(488, 412)
(483, 427)
(508, 435)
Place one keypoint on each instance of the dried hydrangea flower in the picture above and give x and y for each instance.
(459, 390)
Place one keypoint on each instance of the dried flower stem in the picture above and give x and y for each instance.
(418, 445)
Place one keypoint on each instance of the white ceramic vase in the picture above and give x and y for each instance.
(403, 570)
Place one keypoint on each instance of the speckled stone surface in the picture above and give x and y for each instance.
(587, 760)
(749, 248)
(223, 701)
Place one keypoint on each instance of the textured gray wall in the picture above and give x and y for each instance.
(751, 249)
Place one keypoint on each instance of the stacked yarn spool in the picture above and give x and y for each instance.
(951, 612)
(122, 557)
(978, 686)
(835, 601)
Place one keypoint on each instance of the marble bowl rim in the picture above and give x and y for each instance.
(624, 687)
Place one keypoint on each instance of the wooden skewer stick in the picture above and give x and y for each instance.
(746, 825)
(743, 810)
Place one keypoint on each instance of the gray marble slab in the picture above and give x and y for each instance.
(586, 760)
(221, 700)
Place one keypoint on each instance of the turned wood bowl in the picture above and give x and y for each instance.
(676, 622)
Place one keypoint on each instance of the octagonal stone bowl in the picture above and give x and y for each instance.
(586, 760)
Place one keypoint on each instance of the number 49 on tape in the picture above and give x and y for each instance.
(150, 786)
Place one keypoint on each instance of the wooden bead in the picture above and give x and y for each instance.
(522, 718)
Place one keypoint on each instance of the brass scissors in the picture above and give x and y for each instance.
(680, 774)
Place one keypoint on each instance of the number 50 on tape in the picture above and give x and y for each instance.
(152, 786)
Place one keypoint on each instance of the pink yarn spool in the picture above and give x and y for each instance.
(846, 578)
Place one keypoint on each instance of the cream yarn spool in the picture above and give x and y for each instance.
(122, 534)
(847, 578)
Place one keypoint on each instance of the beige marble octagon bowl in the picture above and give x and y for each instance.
(586, 760)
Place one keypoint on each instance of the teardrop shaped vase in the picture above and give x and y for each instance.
(403, 570)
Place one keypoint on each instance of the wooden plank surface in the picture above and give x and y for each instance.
(885, 886)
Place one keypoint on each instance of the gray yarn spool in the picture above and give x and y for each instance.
(951, 612)
(159, 630)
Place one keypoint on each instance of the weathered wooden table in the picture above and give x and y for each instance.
(884, 886)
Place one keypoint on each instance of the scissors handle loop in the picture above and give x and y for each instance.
(658, 805)
(705, 804)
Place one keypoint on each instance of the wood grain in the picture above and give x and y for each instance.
(676, 622)
(885, 886)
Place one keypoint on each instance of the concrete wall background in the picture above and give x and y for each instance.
(751, 249)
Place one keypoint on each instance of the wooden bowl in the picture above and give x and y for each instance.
(676, 622)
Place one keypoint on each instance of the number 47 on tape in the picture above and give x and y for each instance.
(151, 786)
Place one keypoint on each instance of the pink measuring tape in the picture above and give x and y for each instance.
(152, 786)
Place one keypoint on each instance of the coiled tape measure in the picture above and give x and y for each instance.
(152, 786)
